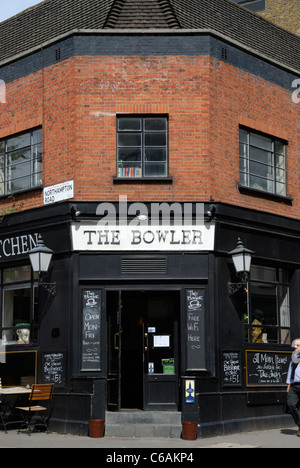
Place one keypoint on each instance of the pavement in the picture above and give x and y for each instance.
(156, 449)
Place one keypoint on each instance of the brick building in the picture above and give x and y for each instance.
(141, 141)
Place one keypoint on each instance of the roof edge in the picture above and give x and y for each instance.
(190, 32)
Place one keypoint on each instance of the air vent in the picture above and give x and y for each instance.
(224, 53)
(142, 266)
(57, 54)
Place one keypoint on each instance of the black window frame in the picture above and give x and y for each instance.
(137, 170)
(32, 165)
(257, 317)
(31, 284)
(247, 158)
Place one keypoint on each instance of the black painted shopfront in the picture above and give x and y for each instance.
(152, 329)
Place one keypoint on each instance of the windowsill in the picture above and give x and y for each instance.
(261, 193)
(21, 192)
(142, 180)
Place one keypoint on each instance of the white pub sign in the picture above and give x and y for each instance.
(133, 238)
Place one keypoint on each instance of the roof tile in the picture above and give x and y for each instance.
(52, 18)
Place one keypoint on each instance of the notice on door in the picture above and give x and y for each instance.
(91, 328)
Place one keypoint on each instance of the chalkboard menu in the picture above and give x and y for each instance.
(91, 327)
(54, 368)
(195, 316)
(231, 368)
(267, 368)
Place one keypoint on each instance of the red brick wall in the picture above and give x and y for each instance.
(77, 101)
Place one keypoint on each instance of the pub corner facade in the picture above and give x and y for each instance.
(141, 158)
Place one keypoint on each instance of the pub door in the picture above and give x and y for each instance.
(143, 357)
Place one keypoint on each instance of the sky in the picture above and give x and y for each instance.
(10, 8)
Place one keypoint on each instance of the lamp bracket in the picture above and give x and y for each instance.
(233, 288)
(50, 287)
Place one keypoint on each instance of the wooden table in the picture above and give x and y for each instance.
(14, 390)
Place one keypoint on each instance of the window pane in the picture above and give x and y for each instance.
(2, 146)
(279, 147)
(261, 184)
(16, 313)
(155, 169)
(129, 154)
(261, 156)
(243, 164)
(280, 189)
(129, 139)
(280, 161)
(244, 179)
(125, 124)
(19, 171)
(280, 175)
(129, 170)
(18, 142)
(263, 273)
(261, 141)
(155, 139)
(19, 156)
(243, 150)
(16, 306)
(269, 317)
(2, 173)
(284, 305)
(285, 337)
(18, 184)
(264, 311)
(155, 124)
(261, 170)
(155, 154)
(37, 152)
(283, 275)
(243, 136)
(37, 136)
(17, 274)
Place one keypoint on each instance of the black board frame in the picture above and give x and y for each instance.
(239, 373)
(97, 342)
(196, 353)
(62, 382)
(250, 381)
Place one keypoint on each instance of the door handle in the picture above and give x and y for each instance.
(115, 340)
(147, 344)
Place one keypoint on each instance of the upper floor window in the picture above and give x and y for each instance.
(21, 162)
(262, 162)
(142, 146)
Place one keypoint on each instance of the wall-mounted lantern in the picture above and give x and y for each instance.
(40, 258)
(241, 258)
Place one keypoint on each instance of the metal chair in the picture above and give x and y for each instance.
(5, 412)
(2, 411)
(40, 393)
